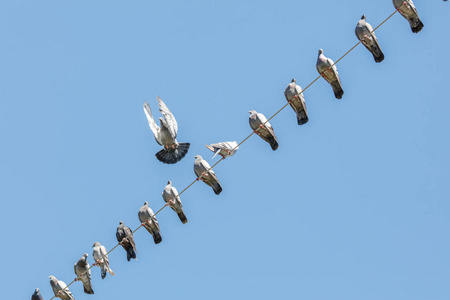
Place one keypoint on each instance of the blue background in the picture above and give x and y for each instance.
(353, 205)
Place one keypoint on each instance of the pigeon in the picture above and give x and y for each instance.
(170, 196)
(364, 33)
(224, 149)
(83, 272)
(125, 238)
(166, 135)
(36, 295)
(148, 220)
(294, 96)
(60, 289)
(204, 173)
(326, 68)
(259, 124)
(407, 9)
(101, 259)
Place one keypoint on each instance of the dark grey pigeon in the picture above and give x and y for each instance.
(170, 196)
(124, 236)
(294, 96)
(326, 68)
(204, 173)
(100, 256)
(166, 135)
(407, 9)
(224, 149)
(259, 124)
(148, 220)
(60, 289)
(36, 295)
(83, 272)
(364, 33)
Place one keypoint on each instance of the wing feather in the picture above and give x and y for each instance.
(151, 122)
(172, 125)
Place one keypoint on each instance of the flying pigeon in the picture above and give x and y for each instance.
(60, 289)
(224, 149)
(326, 68)
(148, 220)
(36, 295)
(364, 33)
(407, 9)
(204, 173)
(166, 135)
(294, 96)
(101, 259)
(83, 272)
(170, 196)
(263, 129)
(125, 238)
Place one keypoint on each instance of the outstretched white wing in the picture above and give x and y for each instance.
(151, 122)
(172, 125)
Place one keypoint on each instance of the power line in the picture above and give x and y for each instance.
(243, 141)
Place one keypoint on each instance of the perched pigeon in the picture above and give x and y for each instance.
(124, 236)
(36, 295)
(170, 196)
(263, 129)
(294, 96)
(364, 33)
(407, 9)
(60, 289)
(326, 68)
(148, 220)
(204, 173)
(83, 272)
(101, 259)
(166, 135)
(224, 149)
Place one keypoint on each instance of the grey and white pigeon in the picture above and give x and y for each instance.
(83, 272)
(407, 9)
(36, 295)
(124, 236)
(166, 135)
(100, 256)
(294, 96)
(326, 68)
(148, 220)
(60, 289)
(259, 124)
(364, 33)
(204, 173)
(170, 196)
(224, 149)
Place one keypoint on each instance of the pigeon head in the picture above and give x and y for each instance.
(52, 278)
(198, 157)
(85, 255)
(96, 244)
(320, 51)
(169, 182)
(36, 291)
(146, 203)
(293, 80)
(120, 223)
(363, 17)
(252, 112)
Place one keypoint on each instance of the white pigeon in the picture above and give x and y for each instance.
(204, 173)
(294, 96)
(224, 149)
(60, 289)
(148, 220)
(258, 122)
(364, 33)
(326, 68)
(170, 196)
(166, 135)
(100, 256)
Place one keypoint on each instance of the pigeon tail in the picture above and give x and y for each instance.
(172, 156)
(89, 291)
(337, 89)
(103, 271)
(217, 188)
(378, 55)
(302, 118)
(273, 143)
(130, 253)
(157, 238)
(182, 217)
(416, 24)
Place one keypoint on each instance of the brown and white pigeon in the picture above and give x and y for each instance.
(83, 272)
(407, 9)
(259, 124)
(148, 220)
(170, 196)
(326, 68)
(204, 173)
(364, 33)
(100, 256)
(124, 236)
(60, 289)
(294, 96)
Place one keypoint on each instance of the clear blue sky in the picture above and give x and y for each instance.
(353, 205)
